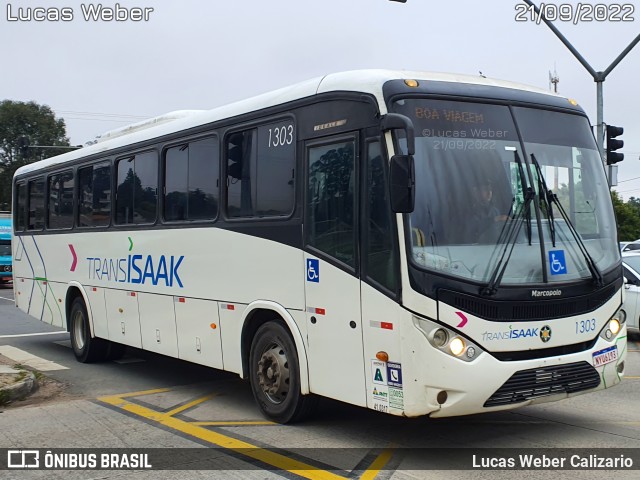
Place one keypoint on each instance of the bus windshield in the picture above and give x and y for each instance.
(479, 171)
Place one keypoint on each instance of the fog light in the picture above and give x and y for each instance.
(614, 326)
(608, 334)
(471, 352)
(440, 338)
(442, 397)
(457, 346)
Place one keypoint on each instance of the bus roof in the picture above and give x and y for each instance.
(366, 81)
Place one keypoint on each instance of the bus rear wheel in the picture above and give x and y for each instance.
(275, 375)
(86, 348)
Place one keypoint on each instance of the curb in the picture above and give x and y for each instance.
(18, 390)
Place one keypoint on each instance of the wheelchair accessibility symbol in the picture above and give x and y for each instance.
(313, 270)
(557, 264)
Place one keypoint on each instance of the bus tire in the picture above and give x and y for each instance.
(86, 348)
(274, 373)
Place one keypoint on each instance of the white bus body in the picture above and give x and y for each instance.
(324, 291)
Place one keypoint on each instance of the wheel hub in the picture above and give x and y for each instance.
(273, 374)
(78, 330)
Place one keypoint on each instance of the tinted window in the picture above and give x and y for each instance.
(191, 181)
(36, 204)
(331, 200)
(5, 248)
(20, 211)
(379, 242)
(261, 171)
(94, 195)
(275, 169)
(241, 155)
(137, 193)
(60, 206)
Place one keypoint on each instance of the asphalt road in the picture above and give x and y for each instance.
(146, 400)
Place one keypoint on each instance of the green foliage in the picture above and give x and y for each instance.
(39, 125)
(627, 216)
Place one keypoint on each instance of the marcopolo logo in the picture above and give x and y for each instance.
(546, 293)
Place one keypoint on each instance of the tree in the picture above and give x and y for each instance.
(39, 125)
(628, 217)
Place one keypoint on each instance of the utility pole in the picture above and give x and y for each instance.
(554, 80)
(598, 77)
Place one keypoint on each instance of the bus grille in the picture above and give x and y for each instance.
(540, 382)
(509, 311)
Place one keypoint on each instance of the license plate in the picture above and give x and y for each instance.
(602, 357)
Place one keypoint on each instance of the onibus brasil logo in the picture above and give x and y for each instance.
(134, 268)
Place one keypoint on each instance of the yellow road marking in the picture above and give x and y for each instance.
(243, 448)
(214, 424)
(189, 405)
(377, 465)
(630, 377)
(143, 392)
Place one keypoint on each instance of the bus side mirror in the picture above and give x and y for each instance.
(402, 183)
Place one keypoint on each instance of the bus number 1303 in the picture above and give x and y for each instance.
(586, 325)
(281, 136)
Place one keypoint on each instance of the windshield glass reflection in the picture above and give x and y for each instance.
(472, 176)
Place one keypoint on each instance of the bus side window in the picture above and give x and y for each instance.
(36, 204)
(261, 171)
(191, 179)
(20, 211)
(137, 192)
(60, 204)
(94, 195)
(379, 255)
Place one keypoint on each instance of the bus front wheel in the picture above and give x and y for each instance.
(275, 375)
(86, 348)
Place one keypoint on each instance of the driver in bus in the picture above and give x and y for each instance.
(484, 213)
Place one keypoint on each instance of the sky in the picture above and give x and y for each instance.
(100, 75)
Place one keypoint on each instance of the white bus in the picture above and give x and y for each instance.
(413, 243)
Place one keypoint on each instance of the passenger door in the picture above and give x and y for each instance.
(332, 284)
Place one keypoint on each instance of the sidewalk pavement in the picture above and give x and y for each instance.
(15, 383)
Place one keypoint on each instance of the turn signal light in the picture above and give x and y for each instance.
(382, 356)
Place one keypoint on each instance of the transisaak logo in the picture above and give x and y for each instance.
(144, 269)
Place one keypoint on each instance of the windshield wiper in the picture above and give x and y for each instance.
(512, 236)
(546, 196)
(551, 197)
(507, 234)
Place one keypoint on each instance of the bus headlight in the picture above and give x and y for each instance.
(440, 337)
(457, 346)
(447, 341)
(621, 316)
(612, 328)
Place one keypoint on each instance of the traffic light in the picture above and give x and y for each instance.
(23, 145)
(613, 144)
